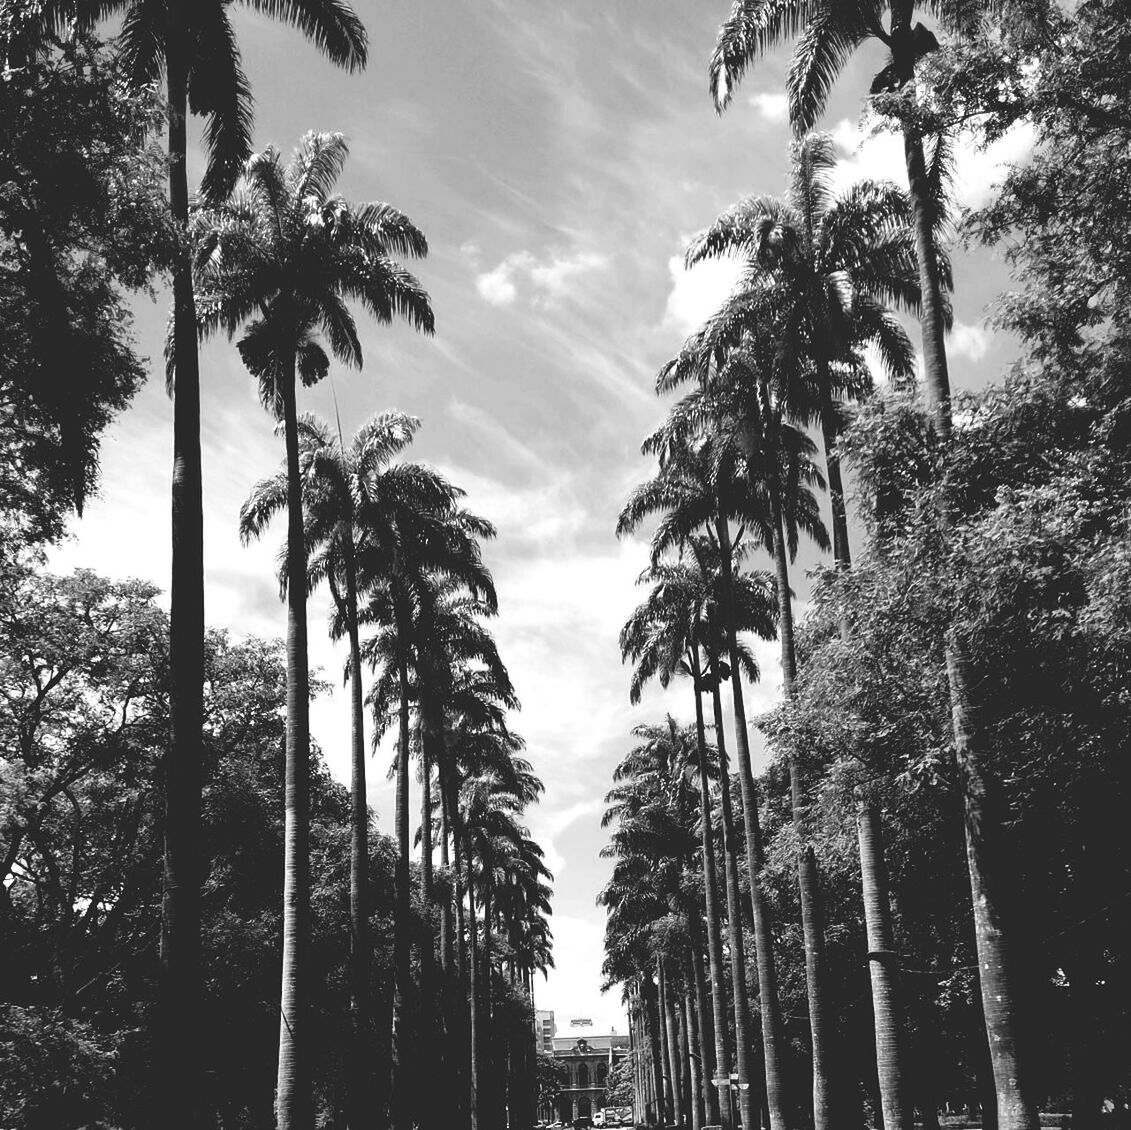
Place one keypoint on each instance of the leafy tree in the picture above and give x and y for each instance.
(82, 222)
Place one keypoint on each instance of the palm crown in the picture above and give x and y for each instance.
(284, 257)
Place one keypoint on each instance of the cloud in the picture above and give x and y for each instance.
(496, 286)
(866, 153)
(552, 277)
(697, 293)
(772, 106)
(555, 276)
(968, 341)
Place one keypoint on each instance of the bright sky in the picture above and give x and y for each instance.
(558, 157)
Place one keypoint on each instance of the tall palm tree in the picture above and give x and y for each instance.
(194, 44)
(691, 496)
(339, 486)
(830, 32)
(278, 261)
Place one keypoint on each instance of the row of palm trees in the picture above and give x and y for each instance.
(738, 471)
(276, 263)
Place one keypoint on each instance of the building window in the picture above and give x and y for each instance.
(602, 1073)
(583, 1075)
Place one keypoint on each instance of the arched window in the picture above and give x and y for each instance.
(584, 1108)
(583, 1075)
(602, 1073)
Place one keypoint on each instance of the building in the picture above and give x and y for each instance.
(545, 1030)
(588, 1061)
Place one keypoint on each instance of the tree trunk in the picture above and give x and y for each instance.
(883, 967)
(745, 1058)
(293, 1108)
(359, 1102)
(997, 972)
(667, 1077)
(714, 932)
(706, 1018)
(807, 879)
(655, 1055)
(931, 308)
(402, 1088)
(694, 1061)
(180, 979)
(773, 1040)
(430, 1052)
(842, 553)
(473, 999)
(668, 1028)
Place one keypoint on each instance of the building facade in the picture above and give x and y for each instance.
(588, 1061)
(545, 1030)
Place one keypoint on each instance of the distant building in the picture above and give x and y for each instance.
(545, 1030)
(588, 1060)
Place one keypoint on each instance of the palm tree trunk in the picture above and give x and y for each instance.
(807, 879)
(714, 938)
(694, 1061)
(180, 981)
(842, 553)
(931, 307)
(655, 1053)
(773, 1040)
(473, 999)
(997, 971)
(431, 1051)
(883, 968)
(488, 1083)
(672, 1046)
(743, 1026)
(706, 1019)
(292, 1095)
(402, 1087)
(359, 1100)
(667, 1075)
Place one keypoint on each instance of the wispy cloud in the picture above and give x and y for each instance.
(552, 277)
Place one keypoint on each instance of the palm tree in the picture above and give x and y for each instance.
(194, 43)
(278, 262)
(690, 495)
(339, 485)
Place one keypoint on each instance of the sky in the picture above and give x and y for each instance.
(558, 158)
